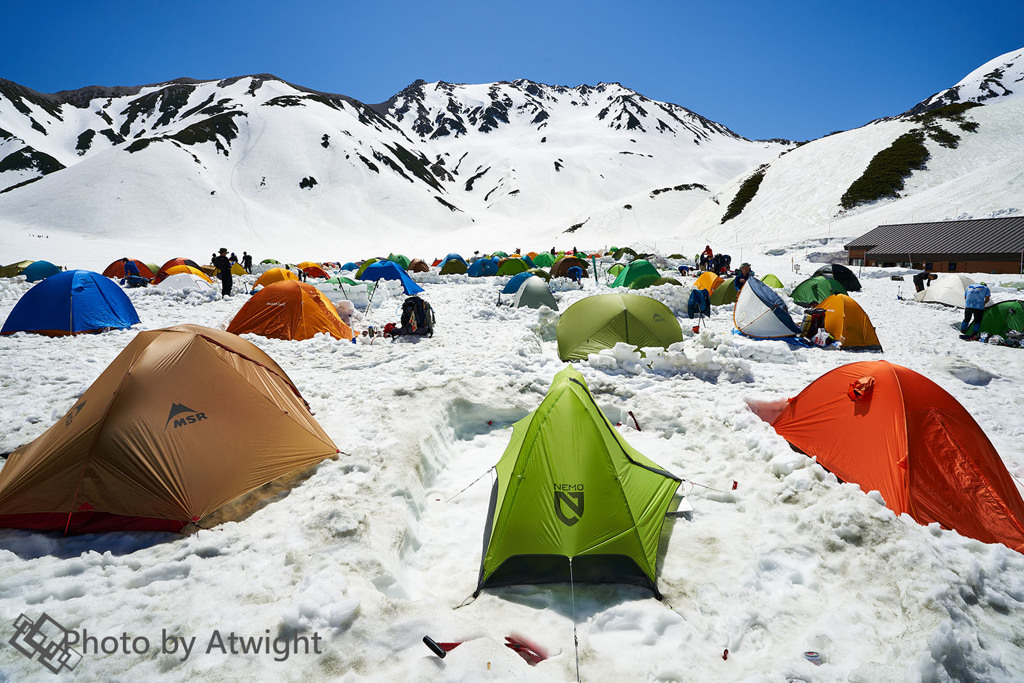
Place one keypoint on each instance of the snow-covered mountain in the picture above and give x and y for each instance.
(266, 165)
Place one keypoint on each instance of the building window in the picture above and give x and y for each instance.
(951, 267)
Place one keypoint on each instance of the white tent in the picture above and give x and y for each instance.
(179, 282)
(534, 293)
(761, 313)
(946, 289)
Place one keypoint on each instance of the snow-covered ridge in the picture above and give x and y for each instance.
(1000, 78)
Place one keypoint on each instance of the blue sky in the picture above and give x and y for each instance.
(794, 69)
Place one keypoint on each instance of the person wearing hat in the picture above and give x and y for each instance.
(223, 266)
(975, 298)
(741, 276)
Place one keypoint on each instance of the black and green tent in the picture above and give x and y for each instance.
(600, 322)
(572, 496)
(814, 290)
(1006, 316)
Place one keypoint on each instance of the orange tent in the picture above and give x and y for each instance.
(308, 264)
(162, 273)
(116, 269)
(846, 321)
(435, 264)
(174, 270)
(225, 420)
(708, 281)
(289, 310)
(315, 271)
(892, 430)
(532, 255)
(275, 275)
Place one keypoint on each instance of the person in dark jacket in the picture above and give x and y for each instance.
(223, 265)
(922, 279)
(741, 276)
(247, 262)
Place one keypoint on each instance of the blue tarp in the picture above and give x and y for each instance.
(70, 302)
(40, 270)
(515, 283)
(389, 270)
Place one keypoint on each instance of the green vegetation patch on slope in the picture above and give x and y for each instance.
(745, 194)
(887, 171)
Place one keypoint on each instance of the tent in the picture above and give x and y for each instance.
(274, 275)
(892, 430)
(71, 302)
(401, 260)
(709, 282)
(619, 253)
(270, 260)
(418, 265)
(540, 272)
(616, 268)
(946, 289)
(724, 293)
(639, 269)
(116, 269)
(223, 420)
(482, 267)
(453, 267)
(665, 281)
(644, 281)
(604, 520)
(364, 265)
(543, 260)
(388, 270)
(1003, 317)
(350, 266)
(161, 273)
(511, 266)
(13, 269)
(515, 282)
(761, 314)
(39, 270)
(236, 269)
(561, 266)
(814, 290)
(339, 280)
(289, 310)
(179, 282)
(174, 270)
(308, 264)
(839, 272)
(534, 293)
(772, 281)
(315, 272)
(846, 321)
(600, 322)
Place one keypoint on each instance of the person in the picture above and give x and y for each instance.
(233, 258)
(223, 265)
(975, 298)
(741, 276)
(922, 279)
(130, 269)
(247, 262)
(552, 251)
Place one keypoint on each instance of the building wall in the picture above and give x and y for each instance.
(947, 263)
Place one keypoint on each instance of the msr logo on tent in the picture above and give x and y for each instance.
(571, 497)
(183, 415)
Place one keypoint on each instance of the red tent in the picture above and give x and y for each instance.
(890, 429)
(162, 273)
(116, 269)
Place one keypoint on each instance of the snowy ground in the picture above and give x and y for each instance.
(370, 552)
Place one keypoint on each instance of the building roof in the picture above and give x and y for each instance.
(984, 237)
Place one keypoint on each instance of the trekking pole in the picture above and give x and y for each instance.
(575, 640)
(470, 484)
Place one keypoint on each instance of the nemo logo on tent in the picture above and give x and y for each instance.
(569, 497)
(183, 415)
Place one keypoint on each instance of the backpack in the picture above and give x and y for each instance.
(814, 320)
(699, 303)
(417, 318)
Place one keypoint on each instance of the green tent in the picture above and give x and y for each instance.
(266, 260)
(454, 267)
(814, 290)
(540, 272)
(600, 322)
(1003, 317)
(572, 501)
(401, 260)
(512, 266)
(636, 270)
(16, 268)
(665, 281)
(724, 293)
(676, 256)
(366, 264)
(772, 281)
(544, 260)
(616, 269)
(618, 253)
(499, 254)
(534, 293)
(343, 281)
(645, 281)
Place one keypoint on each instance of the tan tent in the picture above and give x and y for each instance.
(418, 265)
(562, 266)
(184, 420)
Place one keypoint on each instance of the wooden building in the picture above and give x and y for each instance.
(987, 245)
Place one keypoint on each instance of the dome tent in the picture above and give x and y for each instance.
(389, 270)
(609, 499)
(127, 456)
(534, 293)
(708, 281)
(600, 322)
(761, 314)
(889, 429)
(846, 321)
(724, 293)
(71, 302)
(116, 269)
(946, 289)
(772, 281)
(39, 270)
(274, 275)
(515, 282)
(1003, 317)
(814, 290)
(840, 273)
(636, 270)
(289, 310)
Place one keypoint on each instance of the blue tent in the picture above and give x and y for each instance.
(451, 256)
(40, 270)
(350, 266)
(484, 266)
(389, 270)
(529, 261)
(515, 283)
(762, 314)
(72, 302)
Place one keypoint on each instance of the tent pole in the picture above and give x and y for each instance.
(575, 640)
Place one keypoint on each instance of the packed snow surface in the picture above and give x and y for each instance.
(362, 556)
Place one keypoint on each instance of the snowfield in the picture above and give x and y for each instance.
(351, 563)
